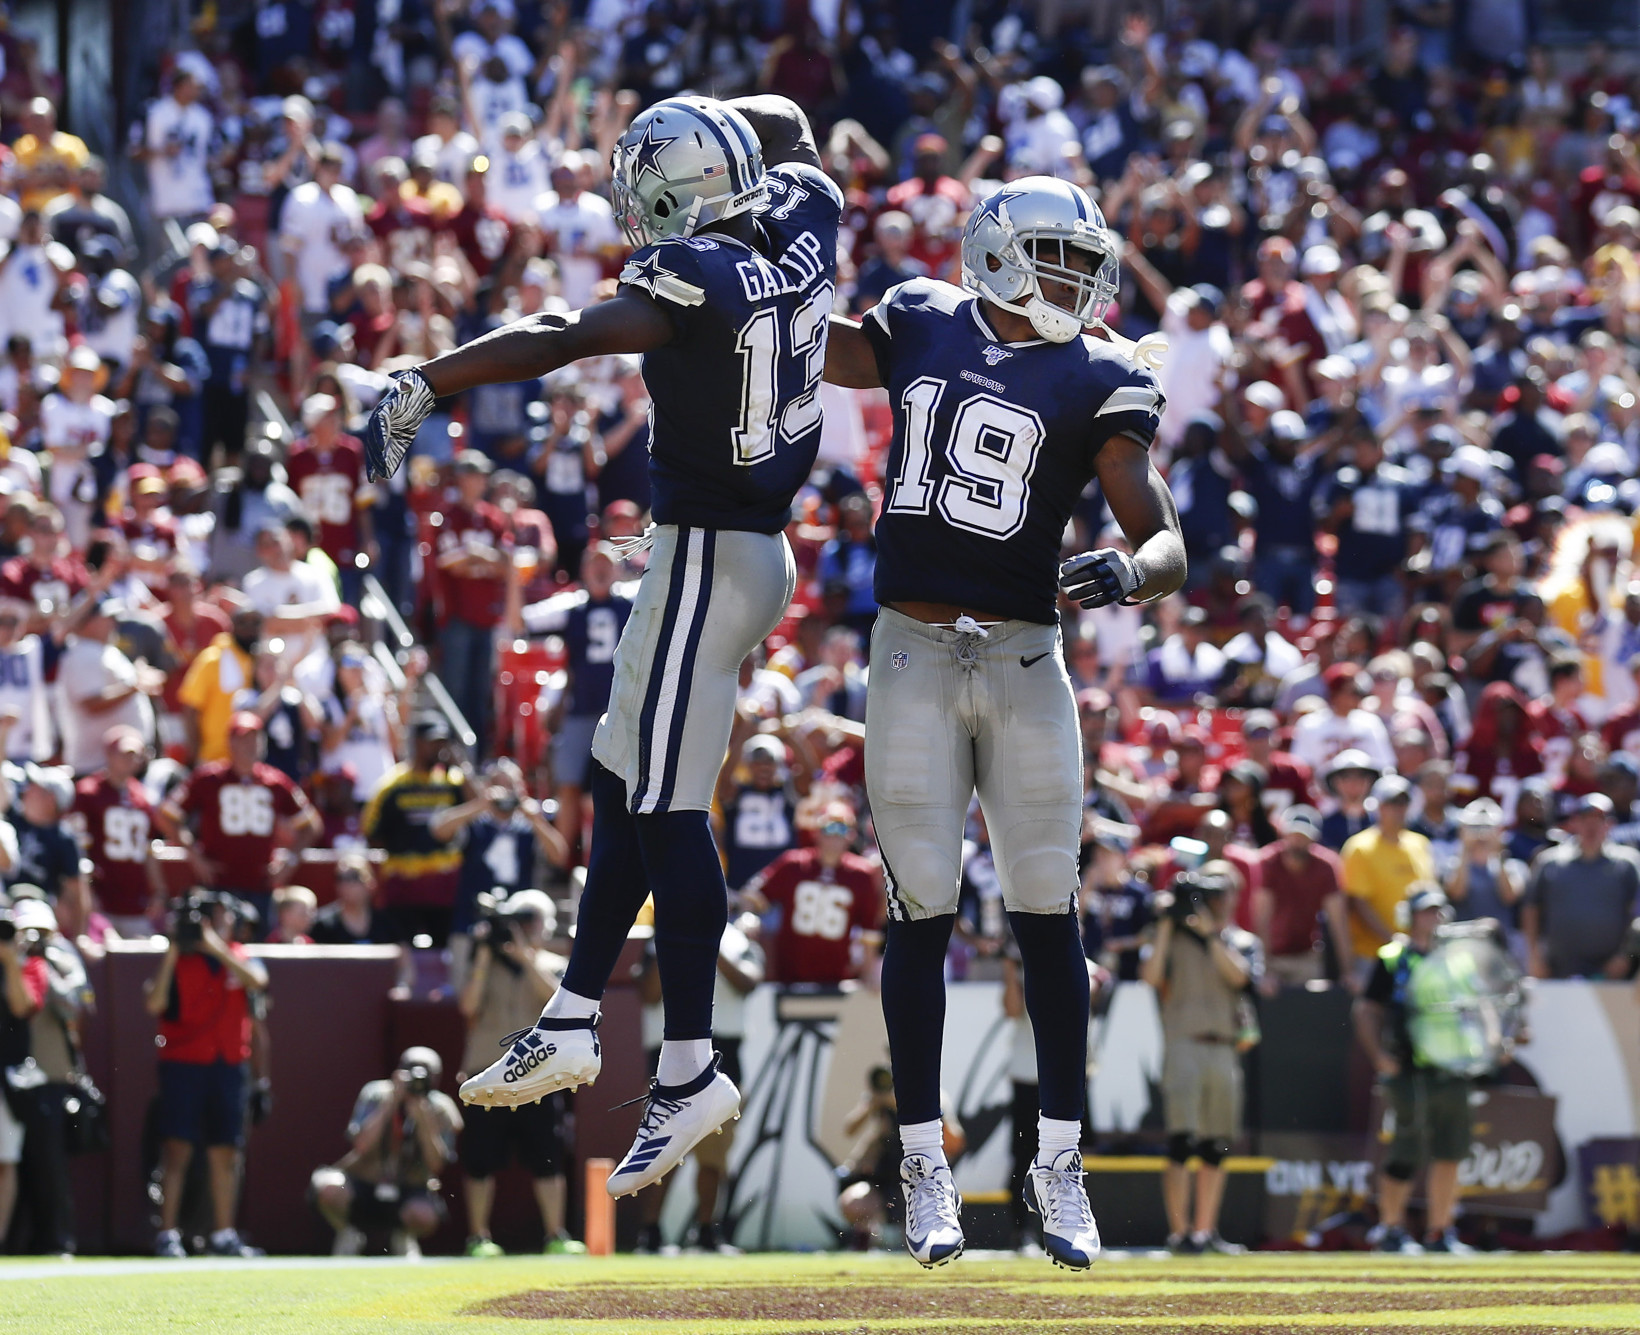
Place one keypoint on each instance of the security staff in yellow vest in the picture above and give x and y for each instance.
(1426, 1109)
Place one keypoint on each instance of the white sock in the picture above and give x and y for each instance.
(683, 1059)
(927, 1138)
(567, 1005)
(1054, 1136)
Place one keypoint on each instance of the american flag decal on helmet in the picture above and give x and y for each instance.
(714, 169)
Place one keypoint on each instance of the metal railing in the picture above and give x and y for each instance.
(377, 606)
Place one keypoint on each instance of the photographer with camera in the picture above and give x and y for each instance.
(1201, 966)
(23, 989)
(403, 1133)
(46, 1225)
(513, 975)
(503, 834)
(202, 999)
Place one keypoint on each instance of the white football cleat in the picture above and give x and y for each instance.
(552, 1054)
(933, 1224)
(1059, 1194)
(677, 1119)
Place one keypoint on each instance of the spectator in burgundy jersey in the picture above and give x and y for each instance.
(480, 229)
(240, 818)
(826, 895)
(1287, 779)
(1299, 894)
(201, 998)
(326, 469)
(192, 623)
(147, 524)
(48, 576)
(114, 819)
(936, 204)
(474, 558)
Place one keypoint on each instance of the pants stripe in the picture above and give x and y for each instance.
(670, 689)
(686, 671)
(657, 678)
(895, 905)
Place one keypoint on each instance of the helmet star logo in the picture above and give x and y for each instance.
(999, 204)
(646, 155)
(646, 273)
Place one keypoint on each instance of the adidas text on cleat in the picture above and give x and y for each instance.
(551, 1055)
(933, 1210)
(393, 424)
(677, 1118)
(1059, 1193)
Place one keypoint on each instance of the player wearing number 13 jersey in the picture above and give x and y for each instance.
(727, 295)
(1004, 410)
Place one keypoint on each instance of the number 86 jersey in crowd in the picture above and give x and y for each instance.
(994, 443)
(730, 451)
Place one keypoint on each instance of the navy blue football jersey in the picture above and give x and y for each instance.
(591, 630)
(993, 444)
(736, 393)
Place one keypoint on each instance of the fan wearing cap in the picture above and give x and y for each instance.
(421, 874)
(326, 469)
(1452, 522)
(1368, 505)
(215, 677)
(147, 524)
(232, 815)
(230, 319)
(1287, 779)
(935, 203)
(178, 139)
(1299, 895)
(1186, 663)
(1426, 1109)
(831, 902)
(1581, 897)
(74, 423)
(480, 229)
(1483, 881)
(99, 687)
(1381, 864)
(518, 165)
(1280, 469)
(760, 814)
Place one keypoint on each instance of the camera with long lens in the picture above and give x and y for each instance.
(1195, 894)
(188, 918)
(493, 927)
(504, 802)
(418, 1081)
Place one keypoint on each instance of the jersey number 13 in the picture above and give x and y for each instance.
(762, 360)
(989, 452)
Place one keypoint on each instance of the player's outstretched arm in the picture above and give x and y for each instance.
(781, 128)
(523, 350)
(850, 361)
(1143, 506)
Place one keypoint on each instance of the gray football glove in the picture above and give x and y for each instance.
(1098, 579)
(393, 424)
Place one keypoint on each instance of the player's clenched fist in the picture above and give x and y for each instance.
(394, 423)
(1098, 579)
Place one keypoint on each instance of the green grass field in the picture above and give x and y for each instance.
(805, 1295)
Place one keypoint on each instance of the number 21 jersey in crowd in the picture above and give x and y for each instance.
(993, 444)
(750, 335)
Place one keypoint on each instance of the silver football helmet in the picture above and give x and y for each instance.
(1022, 236)
(682, 164)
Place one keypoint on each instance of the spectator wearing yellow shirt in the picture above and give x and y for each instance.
(47, 158)
(224, 671)
(1380, 865)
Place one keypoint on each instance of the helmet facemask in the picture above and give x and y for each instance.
(1083, 294)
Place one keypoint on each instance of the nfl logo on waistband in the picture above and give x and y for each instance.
(900, 659)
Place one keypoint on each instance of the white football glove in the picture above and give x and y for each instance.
(393, 424)
(1098, 579)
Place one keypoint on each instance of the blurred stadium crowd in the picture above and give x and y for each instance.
(1401, 286)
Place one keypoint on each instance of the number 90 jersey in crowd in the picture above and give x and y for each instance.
(736, 393)
(993, 444)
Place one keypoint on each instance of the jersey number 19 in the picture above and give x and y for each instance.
(990, 451)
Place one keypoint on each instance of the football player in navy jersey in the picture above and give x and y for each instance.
(727, 297)
(1004, 411)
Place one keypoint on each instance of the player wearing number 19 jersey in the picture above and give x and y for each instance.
(727, 295)
(1004, 411)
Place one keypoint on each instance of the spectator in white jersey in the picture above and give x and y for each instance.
(25, 711)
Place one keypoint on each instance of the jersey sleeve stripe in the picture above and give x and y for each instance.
(1131, 399)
